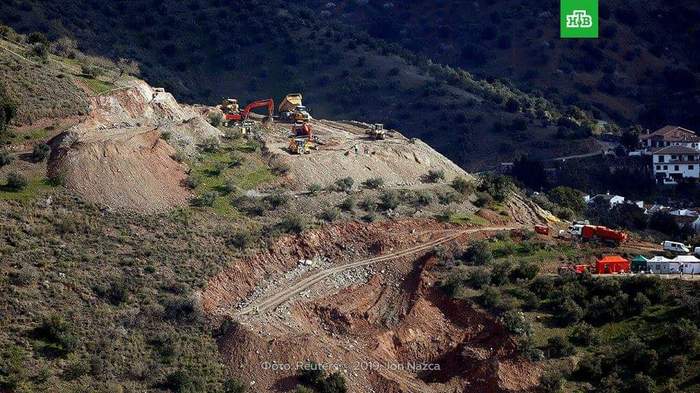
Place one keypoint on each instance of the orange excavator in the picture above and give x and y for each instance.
(232, 116)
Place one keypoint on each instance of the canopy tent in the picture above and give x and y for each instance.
(612, 264)
(639, 263)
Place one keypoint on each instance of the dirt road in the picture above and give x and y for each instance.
(280, 297)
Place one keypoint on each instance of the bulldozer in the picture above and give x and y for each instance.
(292, 109)
(301, 140)
(376, 131)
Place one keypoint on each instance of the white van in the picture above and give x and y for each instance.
(676, 247)
(697, 251)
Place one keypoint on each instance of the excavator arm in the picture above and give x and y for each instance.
(269, 103)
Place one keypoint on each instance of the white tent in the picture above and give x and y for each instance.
(688, 264)
(662, 265)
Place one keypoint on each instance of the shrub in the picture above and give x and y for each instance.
(41, 152)
(552, 381)
(524, 271)
(479, 253)
(250, 206)
(330, 214)
(181, 309)
(215, 118)
(205, 200)
(559, 346)
(234, 386)
(515, 323)
(292, 223)
(462, 185)
(115, 293)
(434, 176)
(568, 312)
(210, 144)
(91, 71)
(483, 199)
(276, 199)
(314, 189)
(344, 185)
(584, 334)
(422, 198)
(479, 278)
(24, 276)
(445, 198)
(58, 334)
(182, 382)
(334, 383)
(15, 181)
(191, 182)
(5, 158)
(242, 239)
(347, 204)
(311, 374)
(389, 200)
(643, 383)
(373, 183)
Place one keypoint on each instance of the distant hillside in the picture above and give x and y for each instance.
(643, 68)
(204, 51)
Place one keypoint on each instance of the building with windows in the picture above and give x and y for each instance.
(673, 164)
(669, 136)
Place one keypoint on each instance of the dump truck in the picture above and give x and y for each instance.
(598, 232)
(376, 131)
(292, 109)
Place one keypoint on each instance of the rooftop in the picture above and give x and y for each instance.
(676, 150)
(673, 133)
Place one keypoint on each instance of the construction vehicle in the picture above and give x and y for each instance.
(542, 229)
(292, 109)
(301, 140)
(598, 232)
(233, 115)
(376, 131)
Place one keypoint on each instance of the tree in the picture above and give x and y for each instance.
(530, 173)
(15, 181)
(559, 346)
(479, 253)
(568, 197)
(630, 138)
(462, 185)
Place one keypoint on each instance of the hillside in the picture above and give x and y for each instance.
(643, 68)
(260, 51)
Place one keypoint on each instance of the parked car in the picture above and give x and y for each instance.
(675, 247)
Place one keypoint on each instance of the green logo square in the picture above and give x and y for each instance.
(579, 19)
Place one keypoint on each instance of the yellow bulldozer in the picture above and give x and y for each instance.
(301, 140)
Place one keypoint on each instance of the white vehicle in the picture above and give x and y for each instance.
(575, 230)
(675, 247)
(697, 251)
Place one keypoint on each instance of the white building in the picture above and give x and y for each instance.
(670, 136)
(673, 163)
(610, 200)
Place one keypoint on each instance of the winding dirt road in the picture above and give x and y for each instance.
(278, 298)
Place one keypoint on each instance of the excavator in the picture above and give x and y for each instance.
(301, 140)
(233, 115)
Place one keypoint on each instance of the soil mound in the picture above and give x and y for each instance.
(118, 156)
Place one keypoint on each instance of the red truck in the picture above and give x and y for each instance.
(598, 232)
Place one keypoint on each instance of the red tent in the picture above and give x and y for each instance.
(612, 264)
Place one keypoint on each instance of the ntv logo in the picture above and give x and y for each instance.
(579, 19)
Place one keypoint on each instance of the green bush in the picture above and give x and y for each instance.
(15, 181)
(5, 158)
(389, 200)
(478, 253)
(347, 204)
(434, 176)
(330, 214)
(242, 239)
(483, 199)
(559, 346)
(192, 182)
(250, 206)
(58, 336)
(181, 309)
(515, 323)
(462, 185)
(445, 198)
(314, 189)
(292, 223)
(479, 278)
(552, 381)
(373, 183)
(41, 152)
(183, 382)
(584, 334)
(344, 185)
(205, 200)
(235, 386)
(277, 199)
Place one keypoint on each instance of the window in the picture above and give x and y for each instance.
(661, 158)
(665, 167)
(675, 167)
(673, 157)
(658, 167)
(691, 167)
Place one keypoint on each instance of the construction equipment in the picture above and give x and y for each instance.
(598, 232)
(376, 131)
(292, 109)
(233, 115)
(542, 229)
(301, 140)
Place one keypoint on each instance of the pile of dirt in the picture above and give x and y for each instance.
(346, 150)
(117, 156)
(394, 331)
